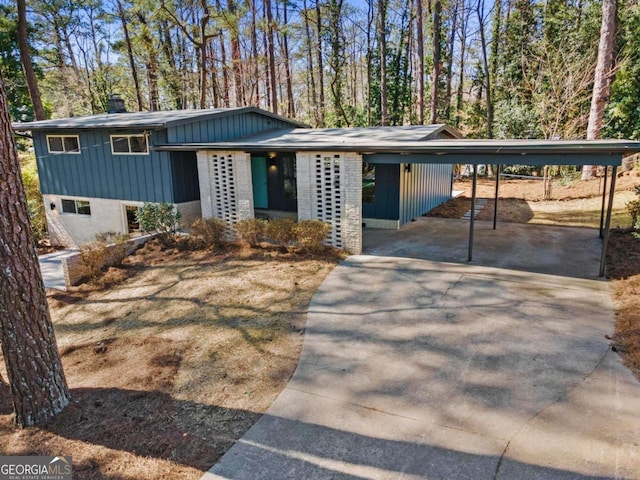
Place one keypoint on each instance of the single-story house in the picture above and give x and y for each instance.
(241, 163)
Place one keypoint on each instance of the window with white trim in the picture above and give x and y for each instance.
(80, 207)
(63, 143)
(129, 144)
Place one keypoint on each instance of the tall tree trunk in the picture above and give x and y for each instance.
(382, 43)
(602, 77)
(320, 65)
(204, 21)
(312, 96)
(255, 90)
(171, 73)
(435, 76)
(236, 56)
(420, 53)
(370, 21)
(291, 111)
(271, 60)
(38, 386)
(27, 66)
(223, 62)
(450, 53)
(132, 61)
(485, 66)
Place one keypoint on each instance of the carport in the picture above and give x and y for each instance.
(606, 153)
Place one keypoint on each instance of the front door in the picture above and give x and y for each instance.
(274, 182)
(281, 183)
(259, 179)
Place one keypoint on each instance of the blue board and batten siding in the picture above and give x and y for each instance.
(405, 192)
(224, 128)
(387, 194)
(159, 176)
(96, 172)
(422, 188)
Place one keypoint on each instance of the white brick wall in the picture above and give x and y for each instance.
(352, 216)
(72, 230)
(244, 185)
(189, 211)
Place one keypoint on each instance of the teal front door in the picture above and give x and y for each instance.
(259, 179)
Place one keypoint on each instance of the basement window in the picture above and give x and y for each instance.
(129, 144)
(63, 143)
(80, 207)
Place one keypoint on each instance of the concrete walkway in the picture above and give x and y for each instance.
(51, 268)
(417, 368)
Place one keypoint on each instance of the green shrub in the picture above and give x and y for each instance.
(633, 207)
(209, 232)
(93, 257)
(281, 231)
(158, 217)
(311, 234)
(251, 230)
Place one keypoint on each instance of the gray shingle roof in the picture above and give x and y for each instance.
(161, 119)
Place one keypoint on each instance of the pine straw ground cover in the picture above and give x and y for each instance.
(171, 358)
(575, 204)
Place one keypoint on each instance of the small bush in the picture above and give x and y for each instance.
(251, 230)
(112, 237)
(93, 257)
(633, 207)
(281, 231)
(311, 234)
(158, 217)
(209, 232)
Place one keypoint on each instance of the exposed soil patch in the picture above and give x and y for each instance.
(624, 269)
(171, 358)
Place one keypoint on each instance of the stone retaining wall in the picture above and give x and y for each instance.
(74, 271)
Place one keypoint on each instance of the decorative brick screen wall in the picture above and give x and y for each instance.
(330, 189)
(225, 185)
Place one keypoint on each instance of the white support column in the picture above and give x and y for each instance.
(305, 184)
(352, 216)
(244, 185)
(204, 178)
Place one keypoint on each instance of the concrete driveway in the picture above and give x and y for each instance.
(418, 368)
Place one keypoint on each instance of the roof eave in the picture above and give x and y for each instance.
(603, 148)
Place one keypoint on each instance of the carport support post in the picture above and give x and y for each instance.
(495, 200)
(604, 196)
(473, 209)
(605, 243)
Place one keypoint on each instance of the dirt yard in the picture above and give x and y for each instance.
(171, 358)
(576, 204)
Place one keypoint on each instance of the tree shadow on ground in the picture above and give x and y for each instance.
(154, 424)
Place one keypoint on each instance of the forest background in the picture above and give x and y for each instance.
(502, 69)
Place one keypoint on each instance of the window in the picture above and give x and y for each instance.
(63, 143)
(81, 207)
(129, 144)
(132, 218)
